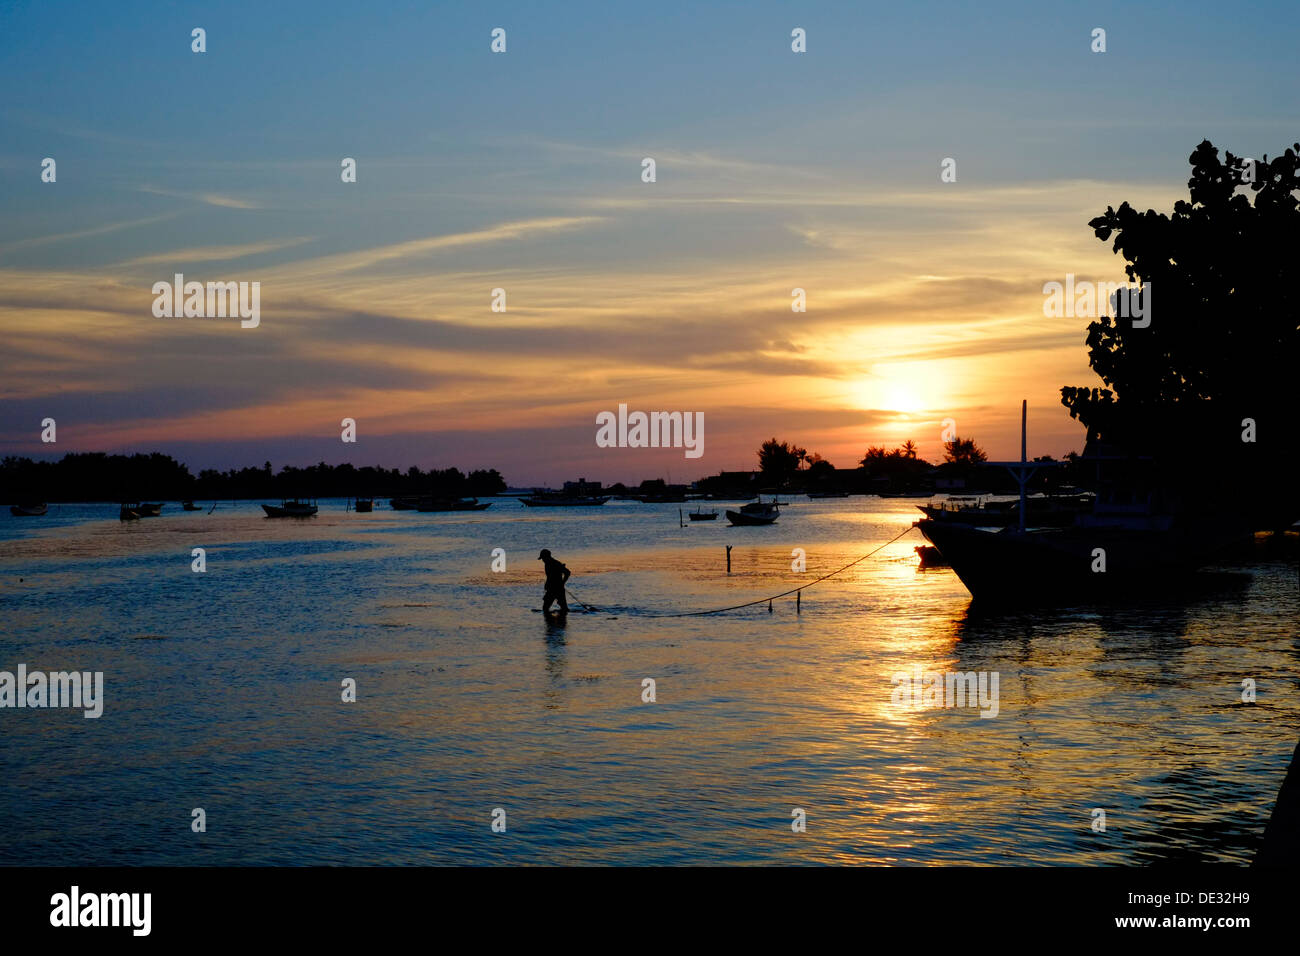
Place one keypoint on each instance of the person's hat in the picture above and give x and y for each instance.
(545, 554)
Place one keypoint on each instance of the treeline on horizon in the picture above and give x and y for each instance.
(97, 476)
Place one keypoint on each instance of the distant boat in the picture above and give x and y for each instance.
(190, 506)
(365, 505)
(290, 509)
(28, 511)
(451, 504)
(702, 515)
(559, 500)
(828, 494)
(755, 513)
(404, 503)
(131, 510)
(669, 498)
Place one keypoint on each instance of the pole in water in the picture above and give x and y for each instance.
(728, 559)
(769, 606)
(797, 596)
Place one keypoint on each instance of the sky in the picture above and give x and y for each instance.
(522, 171)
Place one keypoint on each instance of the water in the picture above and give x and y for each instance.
(223, 693)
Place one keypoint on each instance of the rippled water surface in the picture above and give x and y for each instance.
(223, 692)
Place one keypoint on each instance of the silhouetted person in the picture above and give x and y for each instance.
(556, 576)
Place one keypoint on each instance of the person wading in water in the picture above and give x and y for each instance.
(556, 576)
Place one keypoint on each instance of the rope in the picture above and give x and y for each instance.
(768, 600)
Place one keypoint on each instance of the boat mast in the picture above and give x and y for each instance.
(1024, 474)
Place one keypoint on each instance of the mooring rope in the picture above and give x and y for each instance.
(768, 600)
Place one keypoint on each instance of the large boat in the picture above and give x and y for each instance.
(754, 513)
(1043, 511)
(1134, 540)
(555, 500)
(34, 510)
(290, 509)
(451, 504)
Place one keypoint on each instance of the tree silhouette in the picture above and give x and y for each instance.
(1223, 344)
(963, 452)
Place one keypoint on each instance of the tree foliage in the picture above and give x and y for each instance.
(1223, 343)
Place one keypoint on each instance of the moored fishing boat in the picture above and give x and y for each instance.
(754, 513)
(365, 505)
(553, 500)
(190, 506)
(701, 515)
(290, 509)
(34, 510)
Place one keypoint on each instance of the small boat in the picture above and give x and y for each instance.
(365, 505)
(28, 511)
(545, 500)
(828, 494)
(290, 509)
(405, 503)
(149, 509)
(451, 504)
(754, 513)
(661, 499)
(702, 515)
(190, 506)
(930, 557)
(130, 511)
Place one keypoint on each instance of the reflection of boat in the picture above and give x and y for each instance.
(552, 500)
(290, 509)
(754, 513)
(28, 511)
(190, 506)
(702, 515)
(365, 505)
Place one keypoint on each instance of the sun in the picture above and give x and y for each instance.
(901, 398)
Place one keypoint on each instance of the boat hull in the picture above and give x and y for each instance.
(563, 502)
(289, 511)
(742, 519)
(1010, 567)
(27, 511)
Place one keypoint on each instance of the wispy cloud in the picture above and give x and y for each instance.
(214, 253)
(211, 199)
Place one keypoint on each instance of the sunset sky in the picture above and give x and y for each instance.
(522, 171)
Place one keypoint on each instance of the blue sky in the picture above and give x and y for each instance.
(775, 170)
